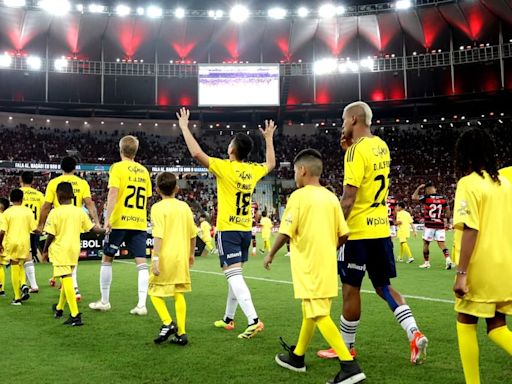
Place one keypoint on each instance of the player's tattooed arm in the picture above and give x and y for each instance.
(348, 199)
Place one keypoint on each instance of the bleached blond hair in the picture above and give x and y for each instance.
(360, 109)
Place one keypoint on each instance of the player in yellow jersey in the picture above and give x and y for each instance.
(17, 224)
(206, 234)
(507, 173)
(482, 248)
(129, 186)
(64, 225)
(4, 204)
(314, 224)
(404, 222)
(369, 247)
(175, 233)
(236, 180)
(82, 196)
(266, 231)
(34, 200)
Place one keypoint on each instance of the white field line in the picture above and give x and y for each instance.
(422, 298)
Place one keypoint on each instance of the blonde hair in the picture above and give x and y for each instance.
(360, 109)
(128, 146)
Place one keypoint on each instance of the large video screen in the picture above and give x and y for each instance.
(233, 85)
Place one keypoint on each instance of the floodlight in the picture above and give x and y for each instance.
(34, 63)
(179, 13)
(403, 4)
(327, 10)
(80, 8)
(277, 13)
(140, 11)
(5, 60)
(303, 12)
(123, 10)
(367, 63)
(55, 7)
(96, 8)
(325, 66)
(60, 64)
(239, 13)
(14, 3)
(154, 12)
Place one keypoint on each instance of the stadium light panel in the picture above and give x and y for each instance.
(215, 14)
(55, 7)
(325, 66)
(239, 13)
(80, 8)
(154, 12)
(340, 10)
(96, 8)
(277, 13)
(303, 12)
(5, 60)
(34, 63)
(14, 3)
(403, 4)
(60, 64)
(140, 11)
(367, 63)
(327, 10)
(179, 13)
(123, 10)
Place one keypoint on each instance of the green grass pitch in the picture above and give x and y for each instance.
(116, 347)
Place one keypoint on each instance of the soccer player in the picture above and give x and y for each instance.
(435, 212)
(314, 224)
(206, 233)
(175, 233)
(255, 220)
(82, 196)
(392, 203)
(482, 248)
(369, 247)
(266, 231)
(17, 224)
(4, 204)
(130, 188)
(507, 173)
(404, 222)
(34, 200)
(236, 180)
(63, 226)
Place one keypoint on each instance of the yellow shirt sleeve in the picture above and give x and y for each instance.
(466, 210)
(86, 224)
(354, 167)
(290, 220)
(4, 223)
(51, 224)
(216, 166)
(50, 195)
(86, 190)
(191, 224)
(149, 187)
(259, 170)
(114, 179)
(157, 222)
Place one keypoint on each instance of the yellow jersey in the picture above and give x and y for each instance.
(66, 223)
(266, 227)
(485, 206)
(314, 221)
(506, 172)
(205, 230)
(34, 200)
(235, 184)
(81, 190)
(17, 223)
(134, 185)
(405, 218)
(367, 166)
(173, 222)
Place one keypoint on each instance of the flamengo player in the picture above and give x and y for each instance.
(236, 180)
(435, 212)
(255, 220)
(392, 203)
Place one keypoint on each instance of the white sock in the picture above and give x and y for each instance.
(75, 280)
(242, 293)
(105, 281)
(30, 272)
(404, 316)
(231, 304)
(348, 331)
(143, 284)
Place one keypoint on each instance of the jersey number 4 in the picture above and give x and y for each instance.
(243, 200)
(379, 198)
(137, 194)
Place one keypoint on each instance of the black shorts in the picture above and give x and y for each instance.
(372, 255)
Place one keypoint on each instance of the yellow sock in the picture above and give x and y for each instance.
(267, 245)
(161, 309)
(180, 305)
(62, 299)
(333, 337)
(23, 277)
(69, 291)
(306, 333)
(2, 278)
(407, 250)
(469, 352)
(15, 281)
(401, 250)
(503, 337)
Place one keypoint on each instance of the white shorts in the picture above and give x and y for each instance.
(254, 231)
(430, 234)
(393, 230)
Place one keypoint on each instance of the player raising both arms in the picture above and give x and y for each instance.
(236, 180)
(82, 193)
(369, 247)
(436, 213)
(34, 200)
(482, 249)
(129, 188)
